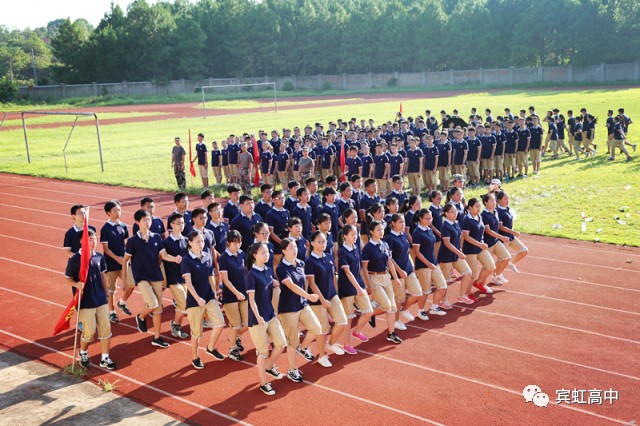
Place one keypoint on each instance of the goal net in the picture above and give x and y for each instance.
(263, 96)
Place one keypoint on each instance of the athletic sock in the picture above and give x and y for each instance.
(105, 356)
(84, 352)
(434, 306)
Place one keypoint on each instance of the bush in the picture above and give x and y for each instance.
(326, 86)
(8, 90)
(288, 86)
(393, 82)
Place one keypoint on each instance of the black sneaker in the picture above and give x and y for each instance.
(160, 343)
(294, 375)
(372, 321)
(108, 364)
(239, 344)
(275, 373)
(142, 324)
(394, 338)
(84, 360)
(215, 354)
(197, 364)
(235, 354)
(113, 317)
(305, 353)
(267, 389)
(124, 308)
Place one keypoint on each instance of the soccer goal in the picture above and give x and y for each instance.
(229, 88)
(77, 115)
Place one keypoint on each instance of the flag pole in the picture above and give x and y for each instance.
(75, 333)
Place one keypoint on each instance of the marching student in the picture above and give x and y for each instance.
(450, 256)
(303, 211)
(234, 292)
(72, 243)
(144, 249)
(197, 271)
(577, 138)
(113, 235)
(277, 220)
(589, 131)
(493, 239)
(94, 310)
(619, 139)
(506, 228)
(260, 232)
(181, 200)
(295, 234)
(294, 309)
(157, 226)
(329, 207)
(245, 220)
(475, 249)
(218, 226)
(176, 245)
(437, 214)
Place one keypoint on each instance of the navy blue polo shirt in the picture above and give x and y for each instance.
(215, 157)
(157, 226)
(474, 144)
(114, 235)
(323, 270)
(553, 131)
(367, 161)
(329, 249)
(444, 149)
(352, 165)
(301, 243)
(506, 217)
(201, 151)
(617, 135)
(72, 238)
(536, 137)
(275, 144)
(349, 257)
(426, 239)
(366, 201)
(460, 208)
(578, 132)
(219, 234)
(490, 219)
(199, 269)
(476, 231)
(296, 157)
(380, 162)
(326, 152)
(511, 142)
(174, 247)
(523, 135)
(488, 142)
(333, 211)
(408, 218)
(93, 294)
(233, 264)
(400, 196)
(345, 204)
(262, 209)
(232, 153)
(356, 196)
(243, 224)
(571, 122)
(500, 140)
(289, 301)
(144, 257)
(589, 128)
(459, 148)
(266, 160)
(315, 201)
(400, 248)
(429, 153)
(270, 248)
(396, 163)
(377, 255)
(414, 157)
(260, 282)
(224, 155)
(278, 219)
(290, 203)
(610, 125)
(282, 159)
(304, 214)
(436, 213)
(188, 223)
(209, 239)
(453, 232)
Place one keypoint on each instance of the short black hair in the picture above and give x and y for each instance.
(244, 198)
(206, 193)
(198, 212)
(175, 216)
(292, 184)
(76, 207)
(140, 214)
(145, 200)
(233, 188)
(179, 197)
(110, 205)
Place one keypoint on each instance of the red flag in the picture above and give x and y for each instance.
(256, 161)
(342, 161)
(400, 107)
(85, 259)
(192, 169)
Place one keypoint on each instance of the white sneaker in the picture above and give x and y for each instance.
(406, 315)
(324, 361)
(489, 289)
(399, 325)
(503, 279)
(495, 280)
(437, 311)
(335, 349)
(514, 268)
(423, 316)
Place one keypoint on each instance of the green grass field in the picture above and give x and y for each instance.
(138, 155)
(35, 119)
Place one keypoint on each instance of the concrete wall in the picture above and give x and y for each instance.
(488, 77)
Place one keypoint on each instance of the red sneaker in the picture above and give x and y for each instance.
(480, 287)
(472, 297)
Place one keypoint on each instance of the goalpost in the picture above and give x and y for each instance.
(64, 150)
(239, 87)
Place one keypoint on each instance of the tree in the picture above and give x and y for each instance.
(68, 50)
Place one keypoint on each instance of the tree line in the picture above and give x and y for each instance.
(244, 38)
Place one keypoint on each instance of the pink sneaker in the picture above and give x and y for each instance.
(360, 337)
(446, 306)
(465, 300)
(350, 350)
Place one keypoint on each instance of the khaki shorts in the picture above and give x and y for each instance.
(459, 169)
(575, 143)
(409, 285)
(485, 259)
(383, 292)
(260, 335)
(290, 324)
(521, 158)
(197, 313)
(510, 161)
(237, 314)
(460, 265)
(499, 251)
(179, 293)
(324, 173)
(427, 276)
(429, 177)
(92, 319)
(383, 185)
(233, 170)
(112, 278)
(152, 294)
(337, 314)
(517, 246)
(473, 169)
(487, 163)
(444, 176)
(204, 171)
(415, 181)
(535, 155)
(217, 172)
(363, 302)
(615, 143)
(498, 162)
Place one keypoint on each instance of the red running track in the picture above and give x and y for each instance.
(570, 320)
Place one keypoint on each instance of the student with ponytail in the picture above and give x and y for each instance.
(450, 256)
(475, 248)
(493, 239)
